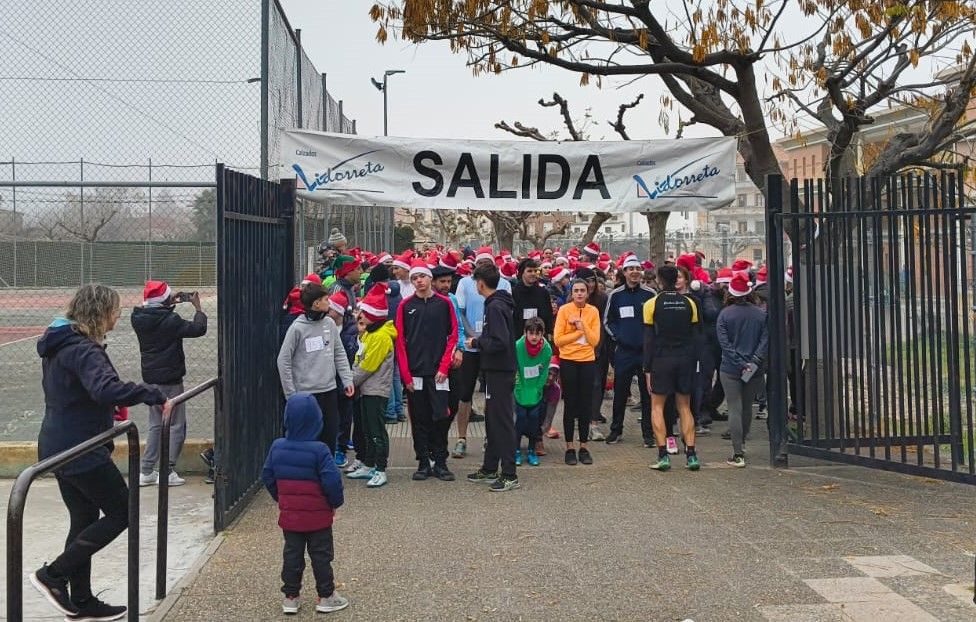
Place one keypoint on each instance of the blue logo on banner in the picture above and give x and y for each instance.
(679, 179)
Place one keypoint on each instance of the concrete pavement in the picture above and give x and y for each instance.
(46, 525)
(617, 541)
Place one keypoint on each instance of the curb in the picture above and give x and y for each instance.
(15, 456)
(161, 609)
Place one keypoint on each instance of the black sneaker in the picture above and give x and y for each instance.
(93, 610)
(613, 437)
(423, 471)
(585, 457)
(727, 436)
(207, 457)
(650, 444)
(503, 484)
(483, 477)
(55, 590)
(571, 457)
(209, 477)
(600, 419)
(442, 473)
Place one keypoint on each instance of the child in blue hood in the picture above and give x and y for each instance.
(81, 392)
(301, 475)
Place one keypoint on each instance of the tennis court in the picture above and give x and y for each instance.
(24, 313)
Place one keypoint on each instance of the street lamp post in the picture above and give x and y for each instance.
(383, 86)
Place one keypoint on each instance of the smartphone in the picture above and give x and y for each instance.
(749, 372)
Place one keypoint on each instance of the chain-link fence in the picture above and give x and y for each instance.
(113, 120)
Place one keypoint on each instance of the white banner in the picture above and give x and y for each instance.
(615, 176)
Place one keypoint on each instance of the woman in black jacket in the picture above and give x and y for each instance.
(81, 393)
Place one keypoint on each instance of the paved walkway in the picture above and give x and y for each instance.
(617, 541)
(46, 525)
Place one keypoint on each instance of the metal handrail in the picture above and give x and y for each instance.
(18, 500)
(162, 519)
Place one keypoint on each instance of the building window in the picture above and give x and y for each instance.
(608, 229)
(741, 200)
(760, 200)
(740, 174)
(757, 256)
(743, 226)
(546, 227)
(761, 227)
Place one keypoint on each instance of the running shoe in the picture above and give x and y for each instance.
(672, 445)
(553, 433)
(738, 461)
(584, 456)
(693, 462)
(571, 457)
(503, 484)
(518, 457)
(460, 448)
(532, 458)
(663, 463)
(596, 434)
(614, 437)
(483, 477)
(340, 459)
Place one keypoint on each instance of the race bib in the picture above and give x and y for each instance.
(528, 314)
(418, 383)
(314, 344)
(582, 340)
(626, 312)
(443, 386)
(478, 326)
(531, 371)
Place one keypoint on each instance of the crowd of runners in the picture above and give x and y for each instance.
(377, 337)
(370, 331)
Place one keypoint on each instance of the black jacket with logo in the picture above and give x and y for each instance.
(497, 340)
(531, 297)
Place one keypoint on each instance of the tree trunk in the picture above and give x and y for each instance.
(657, 224)
(505, 231)
(598, 219)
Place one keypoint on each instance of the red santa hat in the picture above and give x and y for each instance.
(419, 266)
(506, 254)
(384, 257)
(311, 278)
(373, 305)
(687, 261)
(448, 261)
(484, 252)
(740, 285)
(535, 254)
(561, 261)
(603, 266)
(546, 265)
(700, 255)
(763, 275)
(631, 261)
(647, 265)
(724, 275)
(465, 269)
(701, 274)
(554, 362)
(575, 252)
(156, 292)
(509, 269)
(558, 274)
(789, 274)
(592, 249)
(741, 264)
(339, 302)
(403, 260)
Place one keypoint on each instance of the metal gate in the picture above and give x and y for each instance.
(254, 271)
(871, 351)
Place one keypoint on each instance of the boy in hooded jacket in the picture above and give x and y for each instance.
(372, 373)
(301, 476)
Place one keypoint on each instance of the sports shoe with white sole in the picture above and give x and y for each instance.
(363, 472)
(148, 479)
(291, 604)
(353, 466)
(174, 479)
(378, 479)
(332, 603)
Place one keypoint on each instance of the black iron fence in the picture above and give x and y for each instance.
(255, 270)
(876, 330)
(162, 514)
(18, 499)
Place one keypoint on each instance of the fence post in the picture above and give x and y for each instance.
(132, 435)
(325, 106)
(298, 78)
(265, 103)
(776, 377)
(13, 198)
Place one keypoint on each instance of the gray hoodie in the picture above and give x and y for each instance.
(311, 356)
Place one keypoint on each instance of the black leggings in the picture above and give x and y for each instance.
(577, 381)
(100, 490)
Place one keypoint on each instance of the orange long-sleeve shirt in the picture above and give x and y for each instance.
(577, 345)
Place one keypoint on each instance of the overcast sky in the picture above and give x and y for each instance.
(438, 96)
